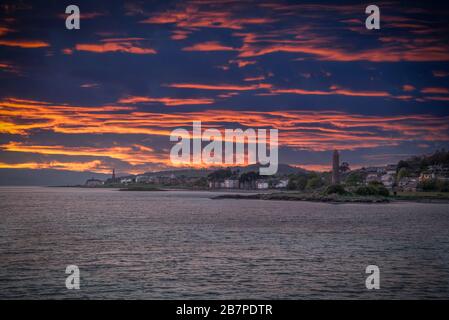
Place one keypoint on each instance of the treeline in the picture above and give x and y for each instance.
(322, 182)
(420, 163)
(307, 181)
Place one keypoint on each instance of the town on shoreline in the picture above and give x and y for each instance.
(423, 178)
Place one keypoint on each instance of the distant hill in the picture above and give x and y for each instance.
(181, 172)
(49, 177)
(283, 169)
(419, 163)
(45, 177)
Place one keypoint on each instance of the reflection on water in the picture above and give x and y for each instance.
(167, 245)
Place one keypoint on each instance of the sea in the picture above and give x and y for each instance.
(186, 245)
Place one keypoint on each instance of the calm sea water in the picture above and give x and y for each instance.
(168, 245)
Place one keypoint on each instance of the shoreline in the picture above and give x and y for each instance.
(335, 199)
(241, 194)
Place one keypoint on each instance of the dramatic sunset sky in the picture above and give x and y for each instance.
(108, 95)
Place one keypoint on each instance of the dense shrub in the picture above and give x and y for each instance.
(335, 189)
(382, 191)
(354, 179)
(314, 183)
(297, 182)
(372, 190)
(365, 191)
(434, 185)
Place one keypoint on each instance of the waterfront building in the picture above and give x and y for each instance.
(232, 183)
(142, 179)
(408, 184)
(262, 184)
(388, 180)
(373, 177)
(93, 183)
(283, 183)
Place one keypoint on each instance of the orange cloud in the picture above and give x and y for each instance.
(308, 130)
(226, 87)
(9, 67)
(435, 90)
(385, 54)
(334, 91)
(27, 44)
(313, 167)
(94, 165)
(209, 46)
(191, 15)
(242, 63)
(408, 87)
(165, 101)
(133, 154)
(257, 78)
(128, 45)
(4, 30)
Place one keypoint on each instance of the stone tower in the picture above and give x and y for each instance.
(335, 168)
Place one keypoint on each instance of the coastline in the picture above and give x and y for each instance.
(238, 194)
(285, 196)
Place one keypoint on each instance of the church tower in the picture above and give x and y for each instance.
(335, 168)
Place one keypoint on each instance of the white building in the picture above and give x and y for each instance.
(231, 183)
(93, 182)
(126, 180)
(408, 184)
(388, 179)
(142, 179)
(262, 184)
(282, 184)
(373, 177)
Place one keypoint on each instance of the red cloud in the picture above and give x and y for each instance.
(309, 130)
(209, 46)
(334, 91)
(408, 87)
(127, 47)
(28, 44)
(435, 90)
(165, 101)
(192, 15)
(226, 87)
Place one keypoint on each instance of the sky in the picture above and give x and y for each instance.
(109, 94)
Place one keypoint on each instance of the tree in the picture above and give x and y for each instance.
(335, 189)
(297, 182)
(403, 172)
(292, 184)
(402, 164)
(220, 174)
(314, 183)
(249, 176)
(354, 179)
(301, 182)
(201, 182)
(344, 167)
(372, 190)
